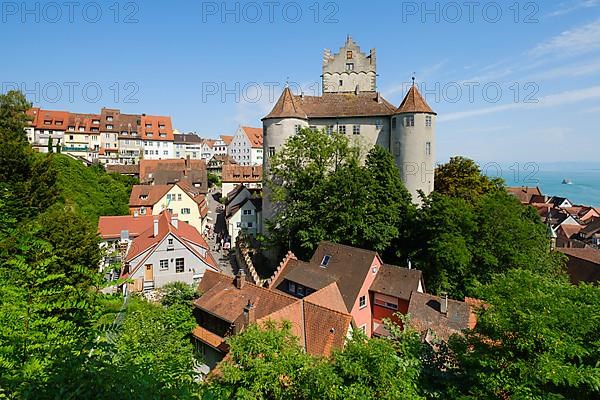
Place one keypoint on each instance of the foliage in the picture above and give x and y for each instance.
(316, 173)
(537, 340)
(461, 178)
(213, 180)
(269, 364)
(177, 293)
(90, 189)
(459, 244)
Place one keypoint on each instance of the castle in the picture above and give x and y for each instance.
(351, 105)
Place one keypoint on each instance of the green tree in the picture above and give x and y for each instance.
(213, 180)
(50, 146)
(15, 153)
(177, 293)
(537, 340)
(462, 178)
(322, 191)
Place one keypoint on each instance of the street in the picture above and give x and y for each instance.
(224, 258)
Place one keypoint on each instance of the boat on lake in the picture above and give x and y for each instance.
(567, 182)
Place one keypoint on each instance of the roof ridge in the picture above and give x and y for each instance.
(325, 307)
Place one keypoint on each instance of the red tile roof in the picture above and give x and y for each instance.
(241, 173)
(255, 136)
(425, 312)
(525, 193)
(186, 233)
(287, 107)
(160, 127)
(587, 254)
(397, 281)
(332, 105)
(227, 139)
(320, 328)
(147, 195)
(414, 103)
(111, 227)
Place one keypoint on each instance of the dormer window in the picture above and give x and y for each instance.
(148, 126)
(109, 118)
(149, 134)
(58, 123)
(47, 122)
(325, 261)
(109, 127)
(72, 128)
(161, 126)
(96, 122)
(143, 197)
(81, 129)
(163, 135)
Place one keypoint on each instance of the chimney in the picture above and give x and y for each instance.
(174, 221)
(249, 313)
(240, 279)
(155, 227)
(187, 162)
(444, 303)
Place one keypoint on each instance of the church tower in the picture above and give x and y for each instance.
(413, 143)
(349, 70)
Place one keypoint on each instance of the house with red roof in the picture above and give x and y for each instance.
(246, 147)
(233, 175)
(180, 198)
(229, 304)
(169, 250)
(371, 290)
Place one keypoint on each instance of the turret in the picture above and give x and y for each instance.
(284, 120)
(349, 69)
(413, 143)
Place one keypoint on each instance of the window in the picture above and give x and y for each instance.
(428, 148)
(109, 127)
(165, 152)
(109, 118)
(300, 290)
(342, 129)
(250, 225)
(70, 137)
(356, 129)
(179, 265)
(385, 304)
(170, 241)
(363, 328)
(409, 121)
(178, 196)
(349, 66)
(379, 124)
(292, 287)
(149, 134)
(325, 260)
(96, 122)
(148, 125)
(329, 129)
(362, 302)
(164, 265)
(72, 128)
(349, 55)
(428, 120)
(394, 123)
(298, 128)
(185, 211)
(341, 82)
(247, 212)
(271, 151)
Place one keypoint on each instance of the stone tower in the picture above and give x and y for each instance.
(413, 143)
(349, 69)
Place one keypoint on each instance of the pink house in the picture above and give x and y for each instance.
(355, 272)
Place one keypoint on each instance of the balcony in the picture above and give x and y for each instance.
(75, 149)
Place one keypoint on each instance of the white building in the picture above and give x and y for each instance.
(187, 145)
(157, 137)
(246, 147)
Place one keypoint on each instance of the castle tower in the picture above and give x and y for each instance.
(413, 143)
(285, 119)
(349, 69)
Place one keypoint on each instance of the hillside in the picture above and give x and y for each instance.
(91, 189)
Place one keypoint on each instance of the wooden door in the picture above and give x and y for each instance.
(149, 273)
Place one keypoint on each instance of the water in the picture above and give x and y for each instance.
(585, 189)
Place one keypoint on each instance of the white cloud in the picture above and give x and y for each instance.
(569, 7)
(554, 100)
(575, 41)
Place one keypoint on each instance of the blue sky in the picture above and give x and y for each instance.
(214, 65)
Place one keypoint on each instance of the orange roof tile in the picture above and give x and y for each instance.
(156, 127)
(287, 107)
(147, 195)
(241, 173)
(227, 139)
(254, 135)
(111, 227)
(414, 103)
